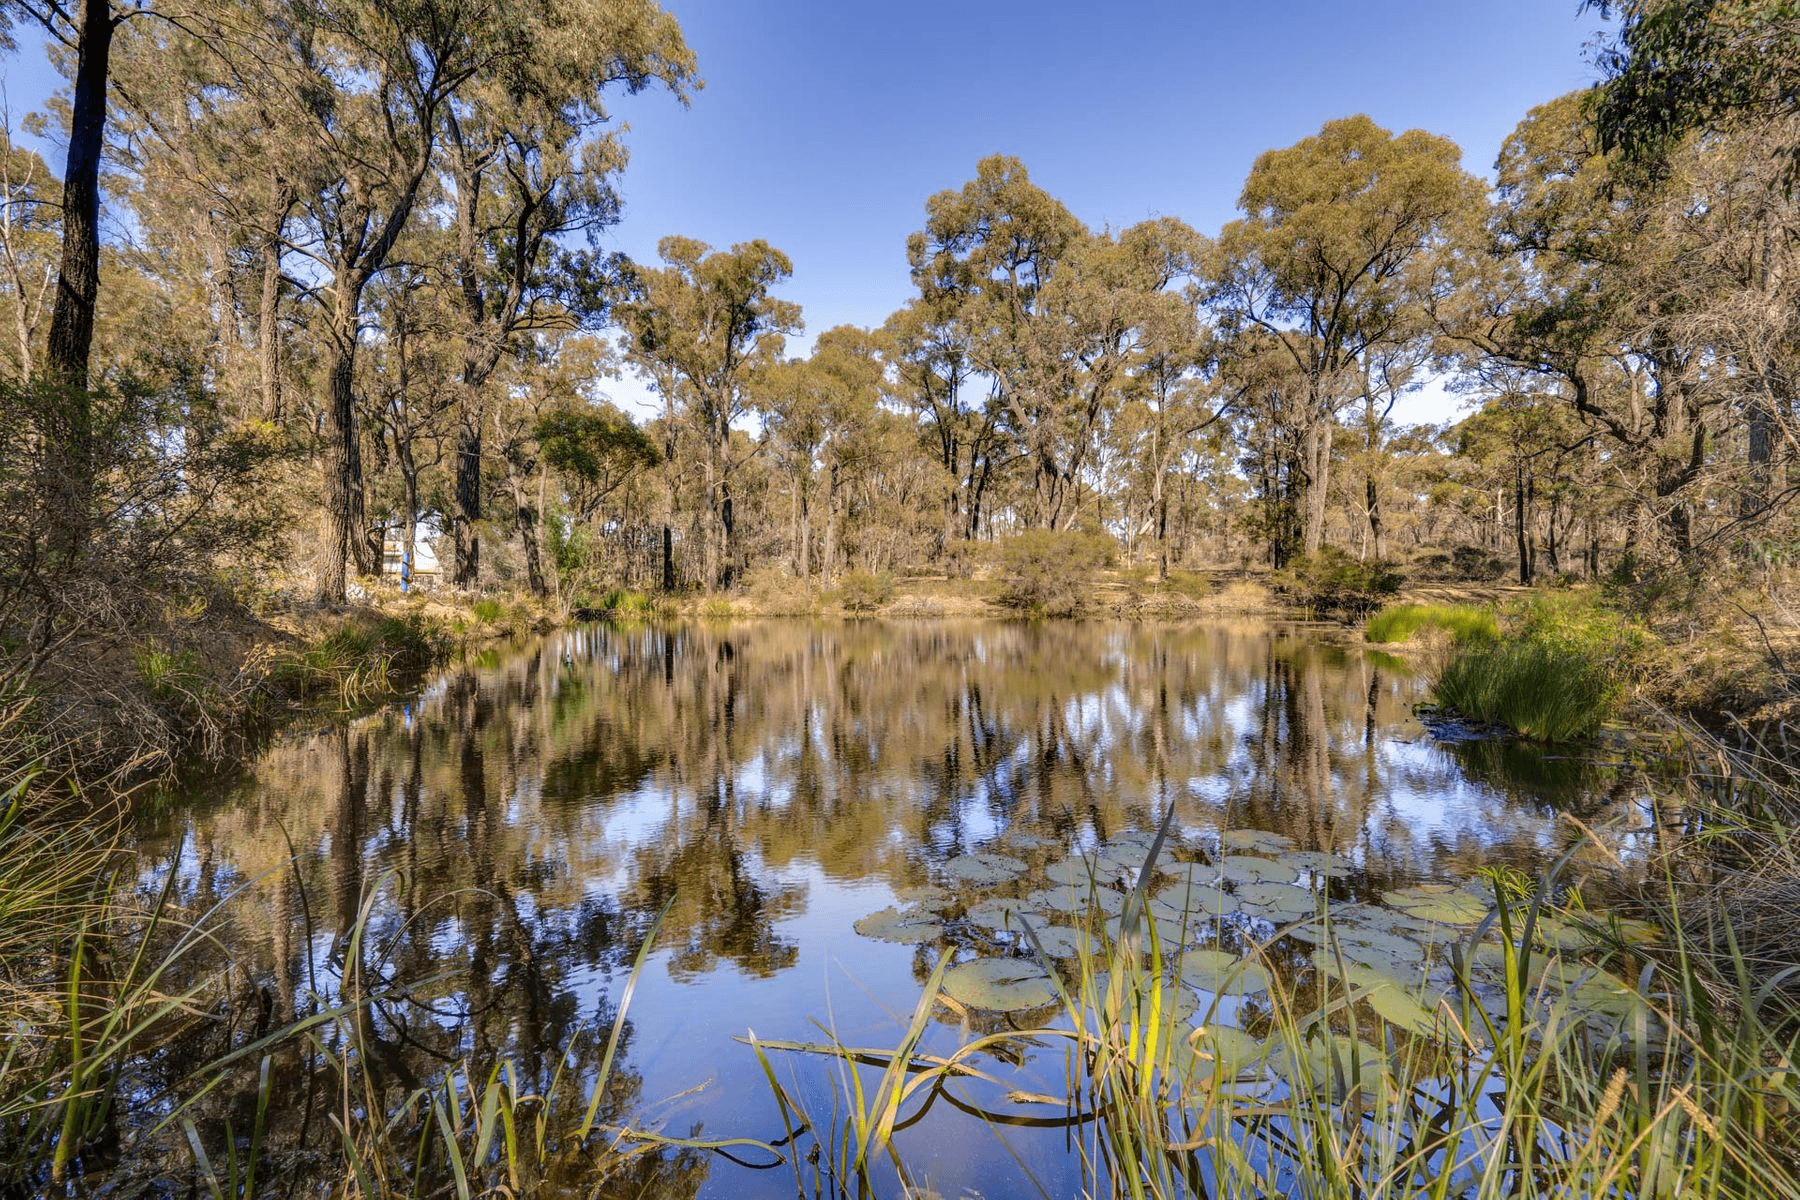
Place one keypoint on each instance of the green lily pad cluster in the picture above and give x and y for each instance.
(1225, 917)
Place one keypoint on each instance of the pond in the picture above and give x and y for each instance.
(509, 836)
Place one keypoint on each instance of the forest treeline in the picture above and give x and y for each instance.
(320, 274)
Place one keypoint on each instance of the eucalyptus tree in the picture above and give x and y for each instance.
(1675, 67)
(986, 254)
(1341, 242)
(28, 250)
(345, 106)
(1168, 393)
(1660, 306)
(1049, 316)
(698, 330)
(934, 376)
(529, 164)
(85, 28)
(819, 412)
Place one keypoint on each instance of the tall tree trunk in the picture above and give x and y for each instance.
(711, 516)
(1552, 549)
(1372, 501)
(343, 475)
(1317, 451)
(525, 517)
(828, 553)
(78, 285)
(728, 536)
(466, 544)
(1759, 452)
(71, 337)
(1521, 533)
(268, 317)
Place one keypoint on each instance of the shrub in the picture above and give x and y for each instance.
(169, 673)
(1333, 582)
(1473, 563)
(1526, 686)
(1559, 674)
(775, 593)
(488, 610)
(358, 658)
(1046, 572)
(623, 604)
(865, 591)
(1191, 584)
(717, 608)
(1398, 622)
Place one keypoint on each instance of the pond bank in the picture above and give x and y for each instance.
(430, 906)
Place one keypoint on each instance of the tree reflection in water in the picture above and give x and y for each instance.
(521, 823)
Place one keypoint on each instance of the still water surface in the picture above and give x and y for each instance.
(522, 821)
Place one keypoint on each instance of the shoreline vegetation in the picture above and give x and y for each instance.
(197, 688)
(1593, 1031)
(322, 287)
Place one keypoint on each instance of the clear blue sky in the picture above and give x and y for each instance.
(824, 124)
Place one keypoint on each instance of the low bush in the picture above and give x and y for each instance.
(773, 592)
(717, 608)
(865, 591)
(359, 658)
(1398, 622)
(1047, 572)
(1191, 584)
(1559, 673)
(1332, 583)
(488, 610)
(1528, 687)
(627, 605)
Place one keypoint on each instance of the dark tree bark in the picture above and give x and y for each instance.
(1521, 531)
(78, 284)
(466, 546)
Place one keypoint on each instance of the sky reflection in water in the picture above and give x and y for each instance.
(525, 818)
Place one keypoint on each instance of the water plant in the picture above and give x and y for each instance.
(1398, 622)
(1559, 673)
(362, 658)
(1471, 1041)
(624, 604)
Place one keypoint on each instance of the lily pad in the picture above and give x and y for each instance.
(984, 869)
(1283, 901)
(1320, 863)
(1400, 957)
(1255, 839)
(925, 895)
(1172, 932)
(999, 913)
(1246, 868)
(1438, 903)
(1219, 1052)
(1334, 1064)
(1196, 873)
(1060, 941)
(1222, 973)
(1191, 897)
(901, 925)
(1000, 984)
(1175, 1006)
(1122, 862)
(1076, 869)
(1079, 899)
